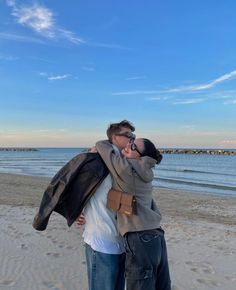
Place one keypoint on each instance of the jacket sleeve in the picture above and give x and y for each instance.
(54, 193)
(117, 164)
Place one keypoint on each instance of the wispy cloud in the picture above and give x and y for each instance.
(60, 77)
(41, 20)
(182, 89)
(71, 36)
(230, 102)
(107, 45)
(88, 68)
(138, 92)
(38, 18)
(211, 84)
(188, 101)
(162, 98)
(155, 99)
(135, 78)
(52, 77)
(20, 38)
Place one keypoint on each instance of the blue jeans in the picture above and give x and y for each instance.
(105, 271)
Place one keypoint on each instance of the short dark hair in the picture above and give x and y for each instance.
(151, 151)
(114, 128)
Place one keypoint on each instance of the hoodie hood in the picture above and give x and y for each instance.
(143, 167)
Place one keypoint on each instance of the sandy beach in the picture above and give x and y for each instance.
(200, 234)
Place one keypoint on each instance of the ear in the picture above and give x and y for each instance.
(113, 138)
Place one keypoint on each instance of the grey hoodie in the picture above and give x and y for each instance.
(134, 176)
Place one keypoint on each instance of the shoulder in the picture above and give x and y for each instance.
(104, 144)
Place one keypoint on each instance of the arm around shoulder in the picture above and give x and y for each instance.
(116, 163)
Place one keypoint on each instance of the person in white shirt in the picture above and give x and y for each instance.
(104, 246)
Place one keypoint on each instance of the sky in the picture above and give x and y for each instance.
(70, 68)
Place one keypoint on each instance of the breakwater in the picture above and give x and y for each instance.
(165, 151)
(199, 151)
(17, 149)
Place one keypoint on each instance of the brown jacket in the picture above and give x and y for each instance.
(71, 188)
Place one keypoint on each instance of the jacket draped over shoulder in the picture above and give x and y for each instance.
(71, 188)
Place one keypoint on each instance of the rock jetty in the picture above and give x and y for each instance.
(163, 151)
(17, 149)
(199, 151)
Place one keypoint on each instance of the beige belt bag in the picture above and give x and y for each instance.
(121, 202)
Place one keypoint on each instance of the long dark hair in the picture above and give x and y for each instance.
(151, 151)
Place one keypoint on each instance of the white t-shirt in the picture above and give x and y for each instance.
(100, 228)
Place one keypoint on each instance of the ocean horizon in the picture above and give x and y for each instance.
(204, 173)
(86, 147)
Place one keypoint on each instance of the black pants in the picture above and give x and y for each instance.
(146, 265)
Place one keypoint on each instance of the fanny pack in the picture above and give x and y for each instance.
(121, 202)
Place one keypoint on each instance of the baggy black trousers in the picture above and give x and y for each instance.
(146, 266)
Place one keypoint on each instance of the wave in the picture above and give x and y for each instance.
(194, 171)
(199, 184)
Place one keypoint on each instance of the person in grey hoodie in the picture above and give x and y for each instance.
(146, 265)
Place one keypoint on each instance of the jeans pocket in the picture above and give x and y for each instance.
(139, 273)
(148, 236)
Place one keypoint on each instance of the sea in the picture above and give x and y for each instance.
(203, 173)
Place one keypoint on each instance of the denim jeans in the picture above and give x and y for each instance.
(146, 265)
(105, 271)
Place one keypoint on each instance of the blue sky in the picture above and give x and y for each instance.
(68, 69)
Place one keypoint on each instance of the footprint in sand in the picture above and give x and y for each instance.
(27, 235)
(71, 248)
(200, 267)
(13, 229)
(7, 283)
(175, 288)
(51, 285)
(208, 282)
(54, 255)
(231, 278)
(54, 241)
(221, 248)
(24, 246)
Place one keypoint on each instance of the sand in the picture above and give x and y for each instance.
(200, 234)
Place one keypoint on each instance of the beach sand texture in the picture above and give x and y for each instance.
(200, 234)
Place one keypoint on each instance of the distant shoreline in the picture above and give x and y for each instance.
(163, 151)
(17, 149)
(199, 151)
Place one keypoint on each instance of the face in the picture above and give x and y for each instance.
(119, 140)
(133, 154)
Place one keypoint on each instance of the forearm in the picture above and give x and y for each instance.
(116, 163)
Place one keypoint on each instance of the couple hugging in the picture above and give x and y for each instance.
(120, 248)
